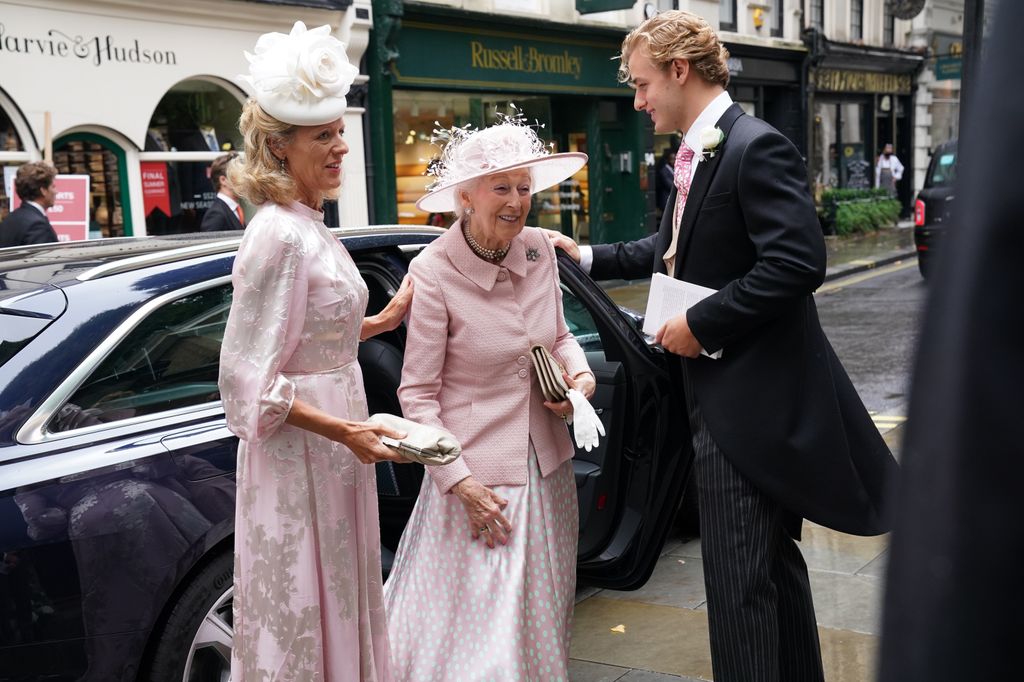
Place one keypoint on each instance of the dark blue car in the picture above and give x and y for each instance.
(117, 471)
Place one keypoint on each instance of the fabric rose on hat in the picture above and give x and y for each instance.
(301, 78)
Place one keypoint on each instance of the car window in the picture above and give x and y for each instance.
(170, 360)
(16, 331)
(944, 168)
(580, 321)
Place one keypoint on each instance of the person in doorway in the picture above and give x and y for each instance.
(28, 223)
(663, 175)
(888, 170)
(225, 213)
(779, 433)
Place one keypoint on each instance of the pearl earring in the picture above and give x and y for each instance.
(469, 211)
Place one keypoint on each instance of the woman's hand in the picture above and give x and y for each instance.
(483, 507)
(584, 383)
(392, 315)
(363, 439)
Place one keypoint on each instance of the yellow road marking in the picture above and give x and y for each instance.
(843, 282)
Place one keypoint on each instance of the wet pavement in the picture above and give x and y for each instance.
(659, 632)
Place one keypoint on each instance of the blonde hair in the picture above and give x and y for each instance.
(675, 34)
(261, 177)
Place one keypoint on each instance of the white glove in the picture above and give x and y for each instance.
(586, 425)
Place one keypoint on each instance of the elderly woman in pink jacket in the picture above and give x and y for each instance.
(484, 579)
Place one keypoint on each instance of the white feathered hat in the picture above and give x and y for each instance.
(508, 145)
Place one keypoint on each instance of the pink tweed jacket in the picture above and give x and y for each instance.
(467, 366)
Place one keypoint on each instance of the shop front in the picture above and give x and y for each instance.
(767, 82)
(142, 102)
(458, 69)
(854, 113)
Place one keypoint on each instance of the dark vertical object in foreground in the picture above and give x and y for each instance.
(974, 28)
(954, 596)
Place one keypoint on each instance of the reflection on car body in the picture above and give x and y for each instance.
(117, 469)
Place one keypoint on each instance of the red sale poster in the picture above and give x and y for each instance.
(155, 189)
(69, 214)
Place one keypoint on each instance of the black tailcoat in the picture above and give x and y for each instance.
(219, 217)
(26, 225)
(778, 403)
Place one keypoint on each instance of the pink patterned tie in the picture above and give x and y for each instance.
(684, 163)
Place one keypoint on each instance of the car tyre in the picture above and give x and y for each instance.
(195, 640)
(924, 267)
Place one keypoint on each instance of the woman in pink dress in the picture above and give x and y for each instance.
(484, 578)
(307, 593)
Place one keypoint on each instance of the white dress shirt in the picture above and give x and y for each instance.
(707, 118)
(232, 204)
(892, 163)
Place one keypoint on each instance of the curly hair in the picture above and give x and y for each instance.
(676, 34)
(32, 178)
(260, 176)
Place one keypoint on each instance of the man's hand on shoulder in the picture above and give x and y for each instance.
(675, 337)
(560, 241)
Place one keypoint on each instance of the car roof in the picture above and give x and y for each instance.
(59, 263)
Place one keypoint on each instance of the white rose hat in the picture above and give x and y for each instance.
(301, 78)
(505, 146)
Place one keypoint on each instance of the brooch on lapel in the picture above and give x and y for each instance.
(532, 254)
(710, 140)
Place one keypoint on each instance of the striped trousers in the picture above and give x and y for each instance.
(760, 614)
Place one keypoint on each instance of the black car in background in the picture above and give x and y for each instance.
(117, 470)
(934, 206)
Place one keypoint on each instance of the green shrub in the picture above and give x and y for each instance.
(858, 210)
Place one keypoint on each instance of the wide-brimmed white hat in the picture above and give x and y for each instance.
(301, 78)
(505, 146)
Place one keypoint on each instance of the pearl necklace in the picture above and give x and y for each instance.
(493, 255)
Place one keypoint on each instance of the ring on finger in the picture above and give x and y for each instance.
(485, 529)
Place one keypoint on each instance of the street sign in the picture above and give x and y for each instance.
(947, 68)
(69, 214)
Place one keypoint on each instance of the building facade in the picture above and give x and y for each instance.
(862, 81)
(140, 97)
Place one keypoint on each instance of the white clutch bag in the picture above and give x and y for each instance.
(425, 444)
(549, 374)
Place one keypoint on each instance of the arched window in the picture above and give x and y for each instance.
(12, 155)
(194, 123)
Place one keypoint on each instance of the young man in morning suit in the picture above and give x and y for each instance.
(779, 433)
(28, 223)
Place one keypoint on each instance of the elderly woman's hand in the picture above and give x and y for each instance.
(584, 382)
(483, 507)
(392, 314)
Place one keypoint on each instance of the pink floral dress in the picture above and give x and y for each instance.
(308, 594)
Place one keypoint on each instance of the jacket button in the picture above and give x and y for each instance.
(523, 373)
(502, 276)
(521, 359)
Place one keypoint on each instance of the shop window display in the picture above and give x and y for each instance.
(86, 157)
(418, 113)
(10, 145)
(194, 117)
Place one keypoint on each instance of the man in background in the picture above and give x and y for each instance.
(225, 213)
(28, 223)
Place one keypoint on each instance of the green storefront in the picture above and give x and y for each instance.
(433, 65)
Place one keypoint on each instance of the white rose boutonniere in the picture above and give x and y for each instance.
(710, 140)
(301, 78)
